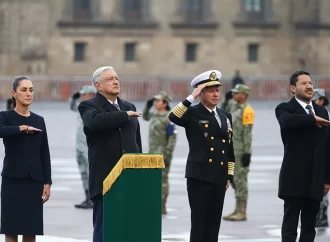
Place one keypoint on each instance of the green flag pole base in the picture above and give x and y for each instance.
(132, 199)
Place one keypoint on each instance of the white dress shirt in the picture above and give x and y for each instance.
(215, 114)
(190, 98)
(115, 102)
(305, 104)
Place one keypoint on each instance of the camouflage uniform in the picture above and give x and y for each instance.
(162, 139)
(243, 119)
(81, 146)
(228, 104)
(322, 216)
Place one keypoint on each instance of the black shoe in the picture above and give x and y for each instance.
(87, 204)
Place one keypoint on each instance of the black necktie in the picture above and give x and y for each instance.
(309, 107)
(219, 122)
(116, 105)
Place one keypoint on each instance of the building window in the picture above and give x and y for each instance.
(193, 10)
(38, 69)
(82, 9)
(79, 52)
(130, 51)
(254, 9)
(133, 9)
(29, 69)
(191, 50)
(253, 50)
(302, 63)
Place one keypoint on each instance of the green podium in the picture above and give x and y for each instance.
(132, 197)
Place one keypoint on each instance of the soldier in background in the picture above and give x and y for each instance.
(320, 98)
(237, 79)
(228, 102)
(322, 216)
(81, 146)
(243, 120)
(162, 136)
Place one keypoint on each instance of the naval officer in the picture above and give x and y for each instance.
(211, 160)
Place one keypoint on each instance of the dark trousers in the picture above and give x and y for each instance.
(206, 204)
(98, 218)
(308, 209)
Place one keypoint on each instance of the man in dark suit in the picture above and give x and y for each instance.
(112, 129)
(305, 172)
(210, 163)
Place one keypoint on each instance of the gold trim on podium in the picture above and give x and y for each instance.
(132, 161)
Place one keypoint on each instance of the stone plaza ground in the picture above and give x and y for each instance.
(64, 223)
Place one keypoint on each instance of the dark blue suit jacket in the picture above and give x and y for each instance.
(306, 162)
(25, 154)
(211, 155)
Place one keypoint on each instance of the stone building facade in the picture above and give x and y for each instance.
(171, 38)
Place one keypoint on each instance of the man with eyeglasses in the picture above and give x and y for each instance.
(305, 172)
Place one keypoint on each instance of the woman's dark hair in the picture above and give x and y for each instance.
(15, 85)
(168, 108)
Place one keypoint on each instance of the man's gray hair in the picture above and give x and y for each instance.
(97, 73)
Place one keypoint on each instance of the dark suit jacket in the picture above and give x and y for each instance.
(211, 149)
(110, 133)
(306, 164)
(25, 154)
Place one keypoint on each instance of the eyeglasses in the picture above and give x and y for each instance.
(306, 83)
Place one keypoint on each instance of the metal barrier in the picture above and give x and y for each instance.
(142, 88)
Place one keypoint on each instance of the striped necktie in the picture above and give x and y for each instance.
(309, 107)
(116, 105)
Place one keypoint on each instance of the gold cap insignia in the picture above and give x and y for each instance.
(213, 76)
